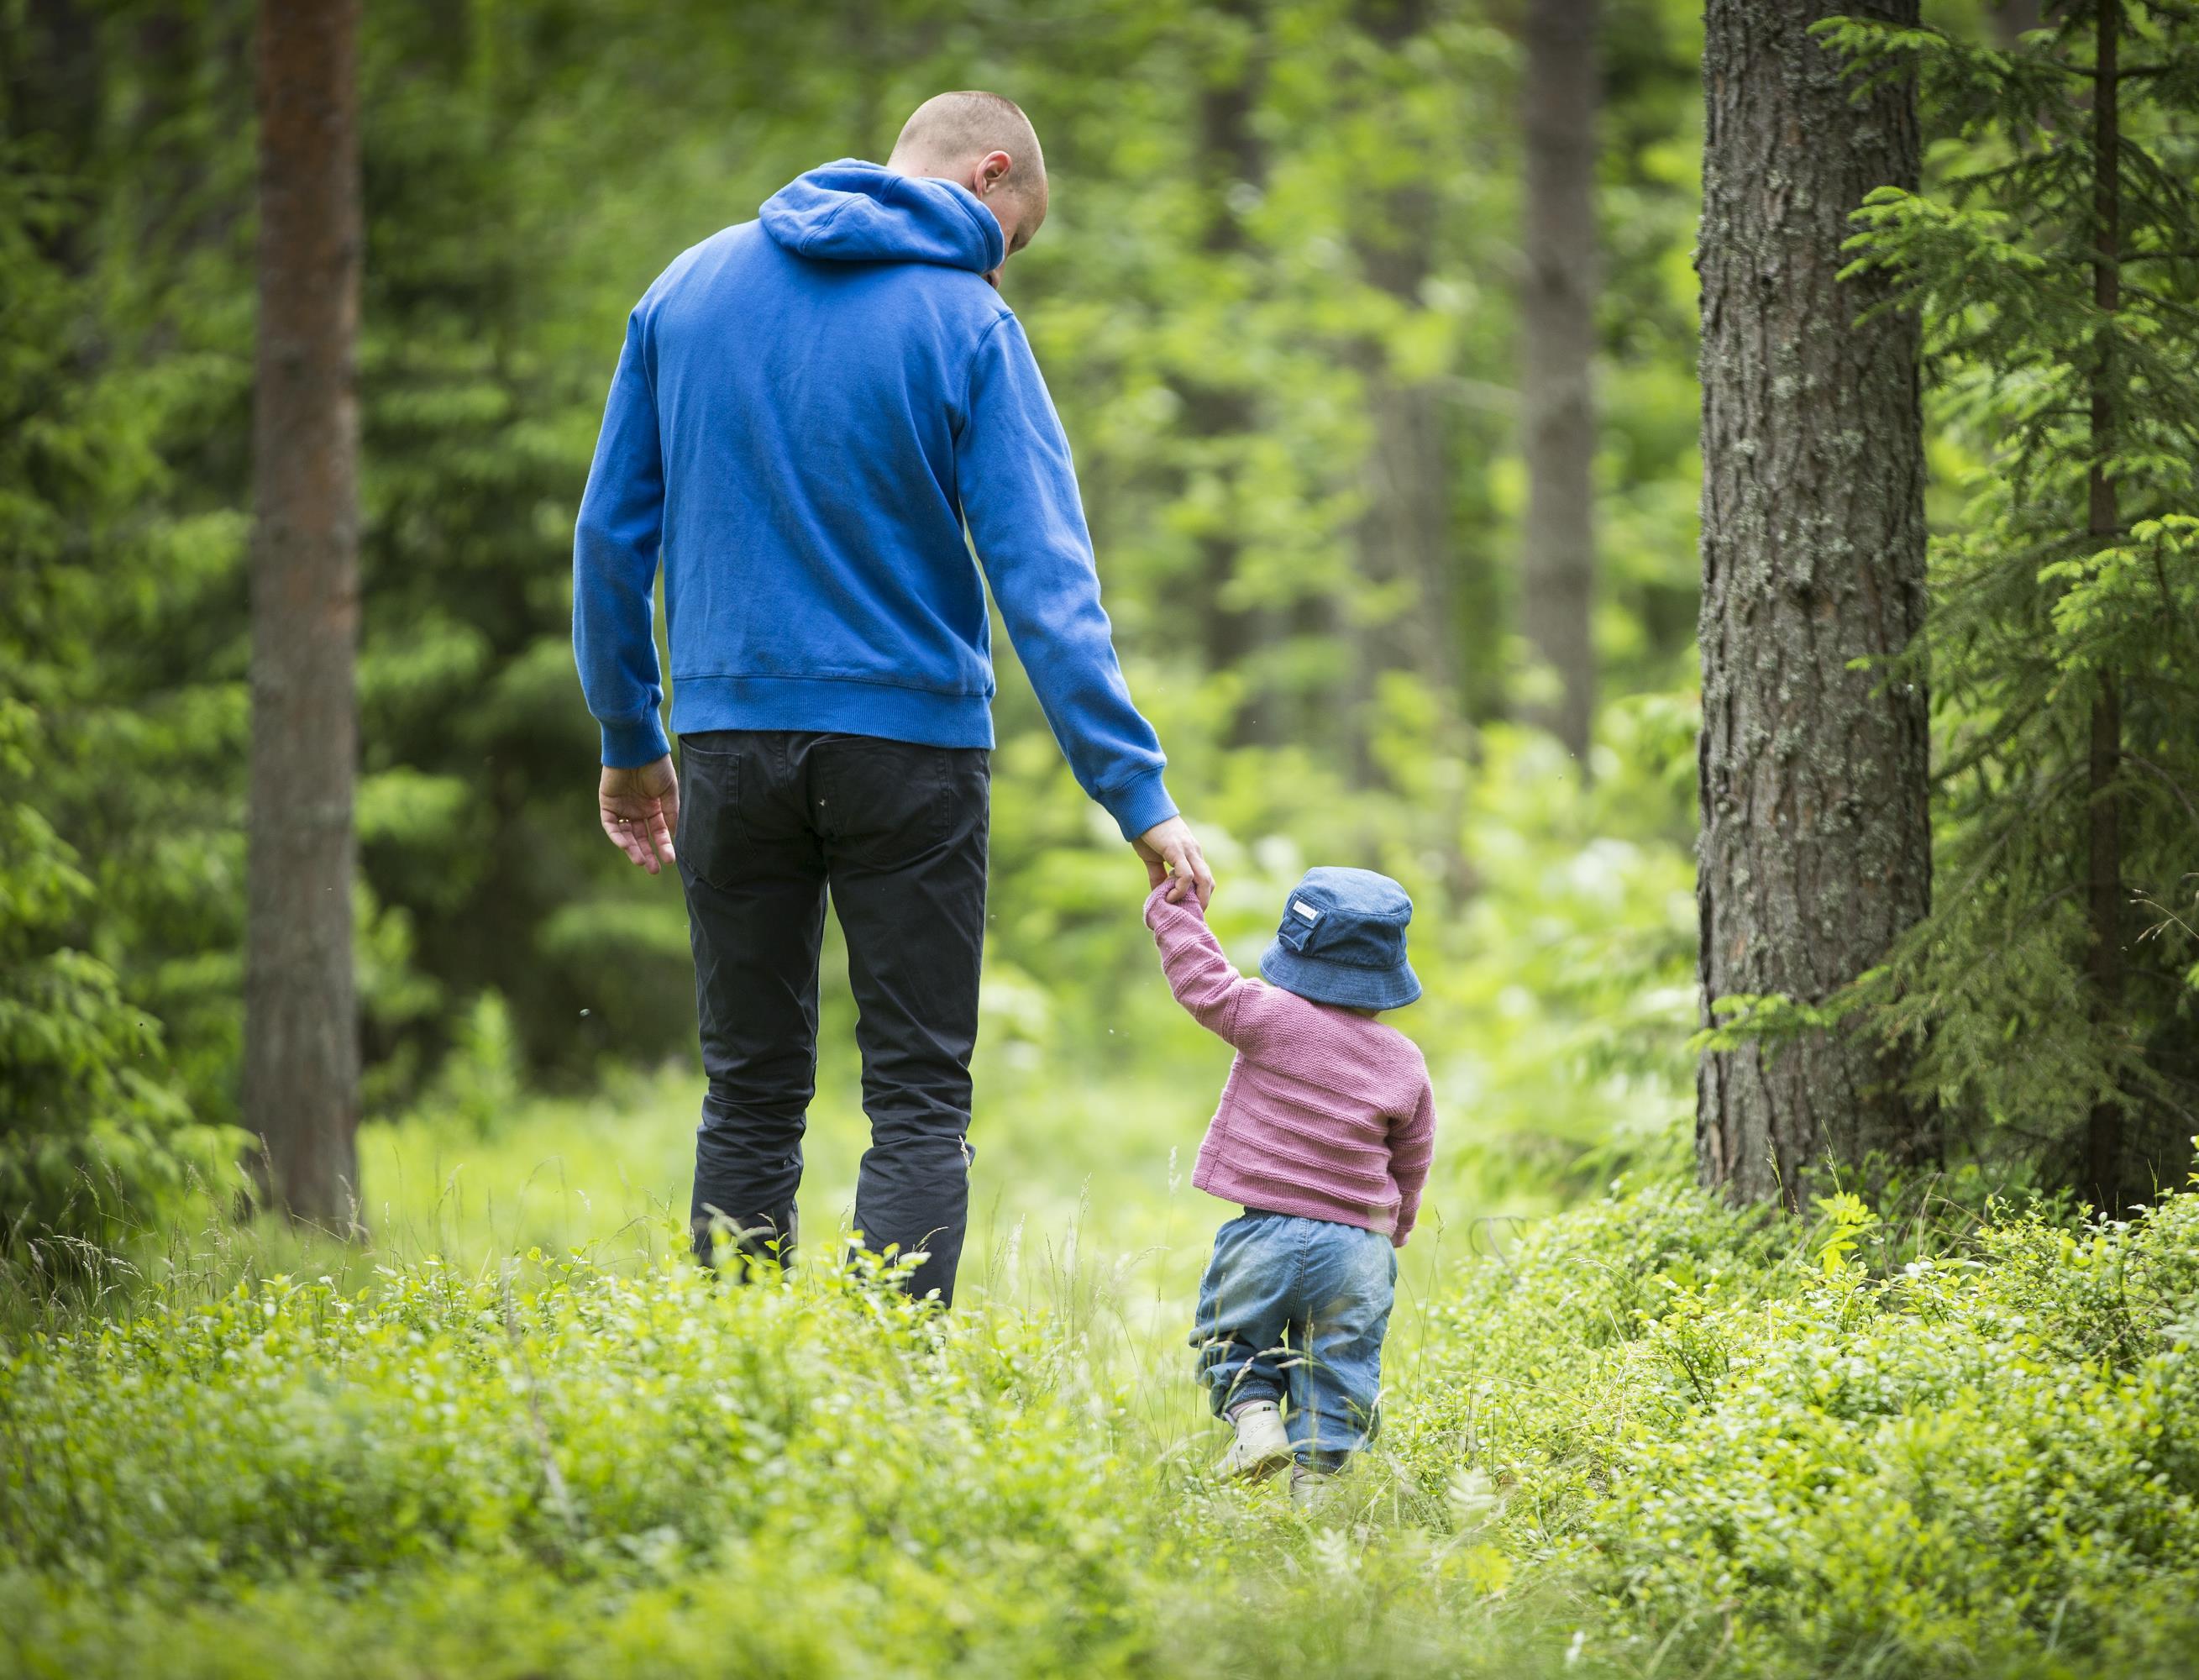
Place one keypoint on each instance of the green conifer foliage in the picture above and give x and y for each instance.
(2056, 264)
(94, 1129)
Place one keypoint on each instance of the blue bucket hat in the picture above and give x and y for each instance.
(1343, 942)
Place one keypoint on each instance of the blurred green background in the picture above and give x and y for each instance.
(1275, 229)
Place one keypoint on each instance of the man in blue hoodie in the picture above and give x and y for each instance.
(809, 409)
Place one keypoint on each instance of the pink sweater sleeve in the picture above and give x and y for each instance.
(1411, 1148)
(1197, 971)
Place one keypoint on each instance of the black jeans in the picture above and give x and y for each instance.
(767, 821)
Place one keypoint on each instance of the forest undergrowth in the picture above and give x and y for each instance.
(1644, 1435)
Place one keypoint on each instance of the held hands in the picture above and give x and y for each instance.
(1170, 852)
(641, 811)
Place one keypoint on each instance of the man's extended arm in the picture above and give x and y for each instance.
(1018, 493)
(615, 546)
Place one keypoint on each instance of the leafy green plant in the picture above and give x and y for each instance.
(1652, 1434)
(96, 1133)
(1801, 1453)
(2055, 264)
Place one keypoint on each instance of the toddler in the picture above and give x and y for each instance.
(1323, 1134)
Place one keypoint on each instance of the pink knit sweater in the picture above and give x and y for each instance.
(1327, 1114)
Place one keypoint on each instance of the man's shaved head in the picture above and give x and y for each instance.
(955, 129)
(986, 144)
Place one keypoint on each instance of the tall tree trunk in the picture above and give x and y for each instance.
(2104, 1141)
(1558, 342)
(302, 1032)
(1221, 412)
(1816, 845)
(1404, 538)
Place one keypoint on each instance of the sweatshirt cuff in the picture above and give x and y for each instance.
(1137, 805)
(630, 743)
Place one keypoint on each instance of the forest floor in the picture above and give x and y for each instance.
(517, 1435)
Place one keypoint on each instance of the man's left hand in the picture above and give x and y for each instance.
(641, 811)
(1170, 852)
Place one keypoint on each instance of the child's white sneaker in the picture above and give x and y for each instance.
(1309, 1488)
(1261, 1448)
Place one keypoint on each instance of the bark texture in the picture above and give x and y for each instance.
(1816, 847)
(301, 1033)
(1557, 347)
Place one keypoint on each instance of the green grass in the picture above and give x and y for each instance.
(1022, 1489)
(515, 1434)
(1079, 1189)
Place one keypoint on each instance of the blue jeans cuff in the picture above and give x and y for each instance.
(1227, 1397)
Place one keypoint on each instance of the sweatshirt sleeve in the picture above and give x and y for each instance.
(1412, 1148)
(615, 550)
(1197, 971)
(1019, 492)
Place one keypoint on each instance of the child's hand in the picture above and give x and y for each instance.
(1170, 852)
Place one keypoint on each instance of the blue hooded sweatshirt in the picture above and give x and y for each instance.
(808, 409)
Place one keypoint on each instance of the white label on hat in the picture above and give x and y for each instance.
(1299, 906)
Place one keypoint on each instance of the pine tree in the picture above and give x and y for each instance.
(2056, 267)
(301, 1030)
(97, 1134)
(1815, 855)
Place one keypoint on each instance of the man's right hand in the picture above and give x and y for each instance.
(641, 811)
(1171, 854)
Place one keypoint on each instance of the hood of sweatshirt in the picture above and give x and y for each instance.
(856, 212)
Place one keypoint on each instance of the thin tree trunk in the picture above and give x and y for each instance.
(1404, 539)
(2104, 1141)
(1815, 853)
(301, 1043)
(1404, 536)
(1557, 345)
(1222, 413)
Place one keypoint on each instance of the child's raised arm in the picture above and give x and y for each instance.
(1198, 972)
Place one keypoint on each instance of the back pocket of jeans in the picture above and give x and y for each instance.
(709, 840)
(885, 802)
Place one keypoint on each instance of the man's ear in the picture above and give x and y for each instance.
(991, 172)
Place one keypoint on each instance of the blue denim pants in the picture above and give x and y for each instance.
(1295, 1308)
